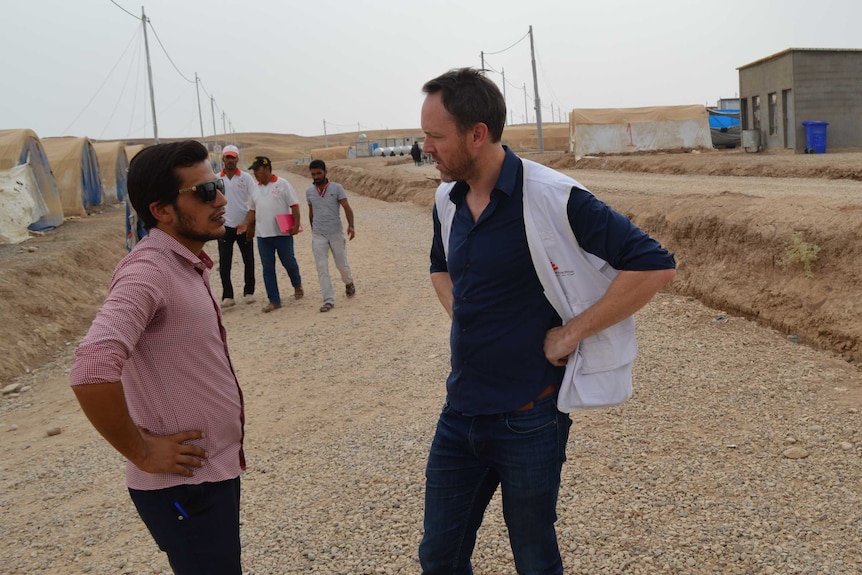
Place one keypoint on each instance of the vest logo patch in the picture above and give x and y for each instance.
(563, 273)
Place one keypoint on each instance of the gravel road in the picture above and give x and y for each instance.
(740, 452)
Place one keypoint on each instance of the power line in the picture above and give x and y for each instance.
(168, 55)
(99, 89)
(509, 48)
(547, 80)
(126, 11)
(120, 98)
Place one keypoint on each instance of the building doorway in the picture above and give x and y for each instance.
(789, 123)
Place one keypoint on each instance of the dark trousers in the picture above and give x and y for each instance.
(225, 261)
(196, 525)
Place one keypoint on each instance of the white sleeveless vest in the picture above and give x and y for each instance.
(599, 371)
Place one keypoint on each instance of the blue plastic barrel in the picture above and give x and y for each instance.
(815, 137)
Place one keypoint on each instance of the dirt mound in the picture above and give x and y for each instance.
(780, 164)
(51, 287)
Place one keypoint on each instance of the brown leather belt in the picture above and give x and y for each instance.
(545, 393)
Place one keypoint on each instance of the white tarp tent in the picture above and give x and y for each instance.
(21, 203)
(627, 130)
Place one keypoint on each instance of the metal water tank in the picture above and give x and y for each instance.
(751, 139)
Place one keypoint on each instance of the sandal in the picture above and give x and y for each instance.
(298, 292)
(326, 307)
(350, 289)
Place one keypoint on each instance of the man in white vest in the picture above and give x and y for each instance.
(541, 280)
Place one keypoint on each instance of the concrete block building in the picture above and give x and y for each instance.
(779, 92)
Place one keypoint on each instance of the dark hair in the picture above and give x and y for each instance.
(470, 98)
(317, 165)
(153, 175)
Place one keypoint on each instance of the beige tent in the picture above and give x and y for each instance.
(113, 167)
(524, 137)
(76, 169)
(626, 130)
(23, 148)
(133, 149)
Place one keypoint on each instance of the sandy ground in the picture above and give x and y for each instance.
(693, 475)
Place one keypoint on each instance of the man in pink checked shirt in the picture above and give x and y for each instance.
(153, 374)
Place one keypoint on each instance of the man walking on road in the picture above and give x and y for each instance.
(153, 374)
(271, 201)
(325, 200)
(537, 275)
(237, 187)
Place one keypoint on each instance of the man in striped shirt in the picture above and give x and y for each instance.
(153, 374)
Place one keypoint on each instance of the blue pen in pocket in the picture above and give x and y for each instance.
(183, 514)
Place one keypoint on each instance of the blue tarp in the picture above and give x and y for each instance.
(33, 154)
(723, 118)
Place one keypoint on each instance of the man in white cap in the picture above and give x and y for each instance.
(237, 186)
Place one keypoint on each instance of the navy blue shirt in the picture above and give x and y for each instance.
(500, 315)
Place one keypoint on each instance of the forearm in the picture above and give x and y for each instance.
(104, 404)
(348, 212)
(442, 283)
(628, 293)
(249, 218)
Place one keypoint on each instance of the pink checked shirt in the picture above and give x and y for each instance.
(160, 333)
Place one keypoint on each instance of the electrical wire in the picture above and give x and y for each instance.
(126, 11)
(99, 89)
(119, 99)
(166, 53)
(547, 81)
(510, 47)
(135, 93)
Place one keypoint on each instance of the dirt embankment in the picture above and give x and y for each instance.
(51, 287)
(781, 164)
(789, 261)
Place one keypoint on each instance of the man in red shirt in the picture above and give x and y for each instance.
(153, 374)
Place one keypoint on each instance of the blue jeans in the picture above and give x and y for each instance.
(523, 452)
(283, 246)
(196, 525)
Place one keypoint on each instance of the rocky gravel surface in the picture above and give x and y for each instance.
(740, 452)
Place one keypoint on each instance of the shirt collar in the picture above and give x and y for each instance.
(161, 239)
(508, 181)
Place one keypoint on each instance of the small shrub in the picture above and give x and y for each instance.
(798, 252)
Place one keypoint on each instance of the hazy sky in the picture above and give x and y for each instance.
(77, 67)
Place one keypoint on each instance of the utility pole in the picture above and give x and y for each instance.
(215, 139)
(538, 101)
(503, 72)
(212, 109)
(150, 76)
(200, 114)
(482, 56)
(325, 141)
(223, 127)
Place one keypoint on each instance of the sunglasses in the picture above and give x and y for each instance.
(207, 191)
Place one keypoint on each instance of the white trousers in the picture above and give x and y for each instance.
(320, 246)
